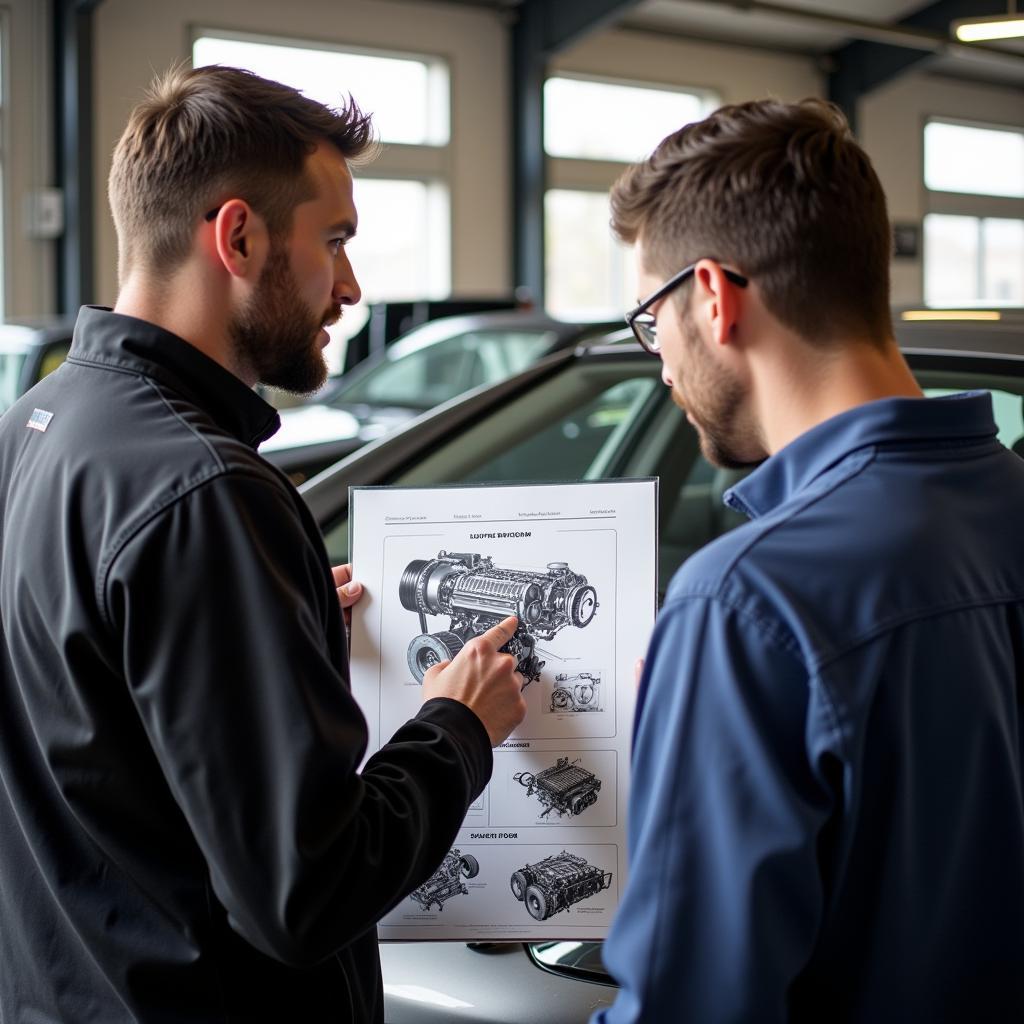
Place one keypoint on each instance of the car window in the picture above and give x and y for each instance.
(1007, 407)
(576, 425)
(435, 373)
(11, 366)
(54, 355)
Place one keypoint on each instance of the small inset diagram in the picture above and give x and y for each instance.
(476, 594)
(580, 692)
(564, 787)
(446, 881)
(556, 883)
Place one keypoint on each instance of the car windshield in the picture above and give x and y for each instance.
(11, 367)
(612, 417)
(428, 376)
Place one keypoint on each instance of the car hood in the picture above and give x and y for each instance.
(312, 424)
(320, 424)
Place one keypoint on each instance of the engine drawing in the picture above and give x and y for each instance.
(564, 787)
(580, 692)
(477, 594)
(446, 881)
(556, 883)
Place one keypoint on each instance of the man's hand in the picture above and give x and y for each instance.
(484, 680)
(348, 590)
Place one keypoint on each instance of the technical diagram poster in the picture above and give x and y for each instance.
(542, 852)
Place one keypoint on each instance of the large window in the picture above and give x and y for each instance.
(592, 129)
(403, 247)
(974, 230)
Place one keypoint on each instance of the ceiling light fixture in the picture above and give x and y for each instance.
(995, 26)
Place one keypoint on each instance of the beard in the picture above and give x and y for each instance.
(276, 337)
(714, 402)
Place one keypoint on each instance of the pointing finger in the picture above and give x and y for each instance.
(499, 635)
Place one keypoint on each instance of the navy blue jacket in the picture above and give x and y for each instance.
(827, 812)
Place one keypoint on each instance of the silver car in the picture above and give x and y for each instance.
(596, 411)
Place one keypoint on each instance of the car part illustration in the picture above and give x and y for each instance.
(576, 693)
(556, 883)
(564, 787)
(446, 881)
(477, 594)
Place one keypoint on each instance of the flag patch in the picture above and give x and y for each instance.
(39, 420)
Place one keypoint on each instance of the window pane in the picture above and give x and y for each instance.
(604, 121)
(589, 273)
(401, 250)
(973, 260)
(402, 94)
(982, 161)
(1003, 242)
(950, 260)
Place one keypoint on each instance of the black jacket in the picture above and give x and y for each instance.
(184, 835)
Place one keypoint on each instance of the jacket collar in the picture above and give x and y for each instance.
(964, 417)
(112, 339)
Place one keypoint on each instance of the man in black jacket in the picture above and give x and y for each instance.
(184, 832)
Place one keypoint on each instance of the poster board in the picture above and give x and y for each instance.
(542, 851)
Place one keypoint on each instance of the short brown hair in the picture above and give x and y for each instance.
(201, 134)
(781, 192)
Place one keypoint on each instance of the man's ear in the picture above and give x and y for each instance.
(240, 238)
(720, 301)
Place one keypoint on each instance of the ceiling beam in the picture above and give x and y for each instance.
(860, 67)
(542, 28)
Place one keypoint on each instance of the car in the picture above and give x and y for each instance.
(29, 350)
(431, 364)
(594, 411)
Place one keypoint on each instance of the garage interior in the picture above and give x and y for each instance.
(73, 69)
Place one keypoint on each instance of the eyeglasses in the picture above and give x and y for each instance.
(644, 324)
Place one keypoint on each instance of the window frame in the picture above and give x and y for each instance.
(979, 206)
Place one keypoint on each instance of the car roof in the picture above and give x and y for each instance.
(21, 334)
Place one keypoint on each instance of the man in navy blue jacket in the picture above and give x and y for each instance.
(826, 819)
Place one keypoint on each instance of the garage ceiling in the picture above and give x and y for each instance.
(822, 27)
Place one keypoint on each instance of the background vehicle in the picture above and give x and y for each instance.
(599, 410)
(29, 350)
(431, 364)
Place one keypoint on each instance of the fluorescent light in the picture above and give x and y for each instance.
(951, 314)
(997, 26)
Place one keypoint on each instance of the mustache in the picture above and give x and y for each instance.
(332, 317)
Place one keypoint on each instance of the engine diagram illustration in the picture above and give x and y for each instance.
(446, 881)
(580, 692)
(477, 594)
(565, 788)
(556, 883)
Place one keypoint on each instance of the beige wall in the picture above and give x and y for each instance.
(734, 72)
(136, 37)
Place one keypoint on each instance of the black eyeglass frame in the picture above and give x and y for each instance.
(650, 344)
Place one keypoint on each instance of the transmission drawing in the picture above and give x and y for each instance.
(565, 788)
(556, 883)
(581, 692)
(476, 594)
(446, 881)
